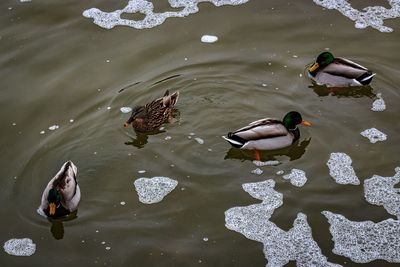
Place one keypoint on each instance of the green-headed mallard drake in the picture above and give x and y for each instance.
(338, 72)
(62, 194)
(150, 116)
(268, 134)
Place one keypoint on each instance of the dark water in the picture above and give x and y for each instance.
(56, 65)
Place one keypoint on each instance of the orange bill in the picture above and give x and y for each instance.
(126, 124)
(306, 123)
(52, 210)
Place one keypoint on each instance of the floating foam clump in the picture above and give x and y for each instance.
(109, 20)
(374, 135)
(265, 163)
(125, 109)
(380, 191)
(20, 247)
(280, 246)
(340, 169)
(153, 190)
(365, 241)
(297, 177)
(209, 39)
(378, 104)
(372, 16)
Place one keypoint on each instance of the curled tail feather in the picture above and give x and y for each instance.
(170, 100)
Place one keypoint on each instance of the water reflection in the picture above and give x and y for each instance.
(294, 152)
(57, 226)
(142, 138)
(354, 91)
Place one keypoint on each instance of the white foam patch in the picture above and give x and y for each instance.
(378, 104)
(20, 247)
(109, 20)
(265, 163)
(365, 241)
(209, 38)
(153, 190)
(372, 16)
(280, 246)
(297, 177)
(54, 127)
(380, 191)
(199, 140)
(257, 171)
(340, 169)
(125, 109)
(374, 135)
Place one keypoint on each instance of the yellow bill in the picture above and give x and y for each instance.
(52, 210)
(314, 67)
(306, 123)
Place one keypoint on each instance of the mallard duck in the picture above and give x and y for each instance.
(338, 72)
(62, 194)
(268, 134)
(150, 116)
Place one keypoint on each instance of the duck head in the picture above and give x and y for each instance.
(324, 59)
(292, 119)
(135, 111)
(54, 200)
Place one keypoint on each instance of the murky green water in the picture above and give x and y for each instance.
(56, 65)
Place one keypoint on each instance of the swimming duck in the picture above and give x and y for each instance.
(150, 116)
(62, 194)
(338, 72)
(268, 134)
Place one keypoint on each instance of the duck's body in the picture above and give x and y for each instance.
(338, 72)
(152, 115)
(268, 134)
(62, 194)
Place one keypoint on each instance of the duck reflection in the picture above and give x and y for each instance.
(142, 138)
(293, 152)
(57, 226)
(354, 91)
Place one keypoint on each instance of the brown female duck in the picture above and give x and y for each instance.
(150, 116)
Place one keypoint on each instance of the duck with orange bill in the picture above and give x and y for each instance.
(62, 194)
(268, 134)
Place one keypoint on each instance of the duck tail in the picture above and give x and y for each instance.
(170, 100)
(366, 78)
(234, 140)
(60, 181)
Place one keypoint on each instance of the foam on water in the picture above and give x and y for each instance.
(199, 140)
(257, 171)
(125, 109)
(153, 190)
(378, 104)
(109, 20)
(372, 16)
(380, 191)
(340, 169)
(297, 177)
(265, 163)
(365, 241)
(209, 38)
(20, 247)
(374, 135)
(280, 246)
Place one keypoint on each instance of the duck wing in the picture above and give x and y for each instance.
(261, 129)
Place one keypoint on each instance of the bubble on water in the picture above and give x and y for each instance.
(199, 140)
(168, 138)
(54, 127)
(209, 39)
(108, 108)
(374, 135)
(122, 203)
(372, 16)
(20, 247)
(340, 169)
(141, 171)
(25, 1)
(71, 120)
(42, 132)
(380, 191)
(153, 190)
(257, 171)
(108, 248)
(364, 241)
(265, 163)
(378, 104)
(125, 109)
(109, 20)
(280, 246)
(205, 239)
(297, 177)
(280, 172)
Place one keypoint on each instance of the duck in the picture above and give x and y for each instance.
(62, 194)
(338, 72)
(152, 115)
(267, 133)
